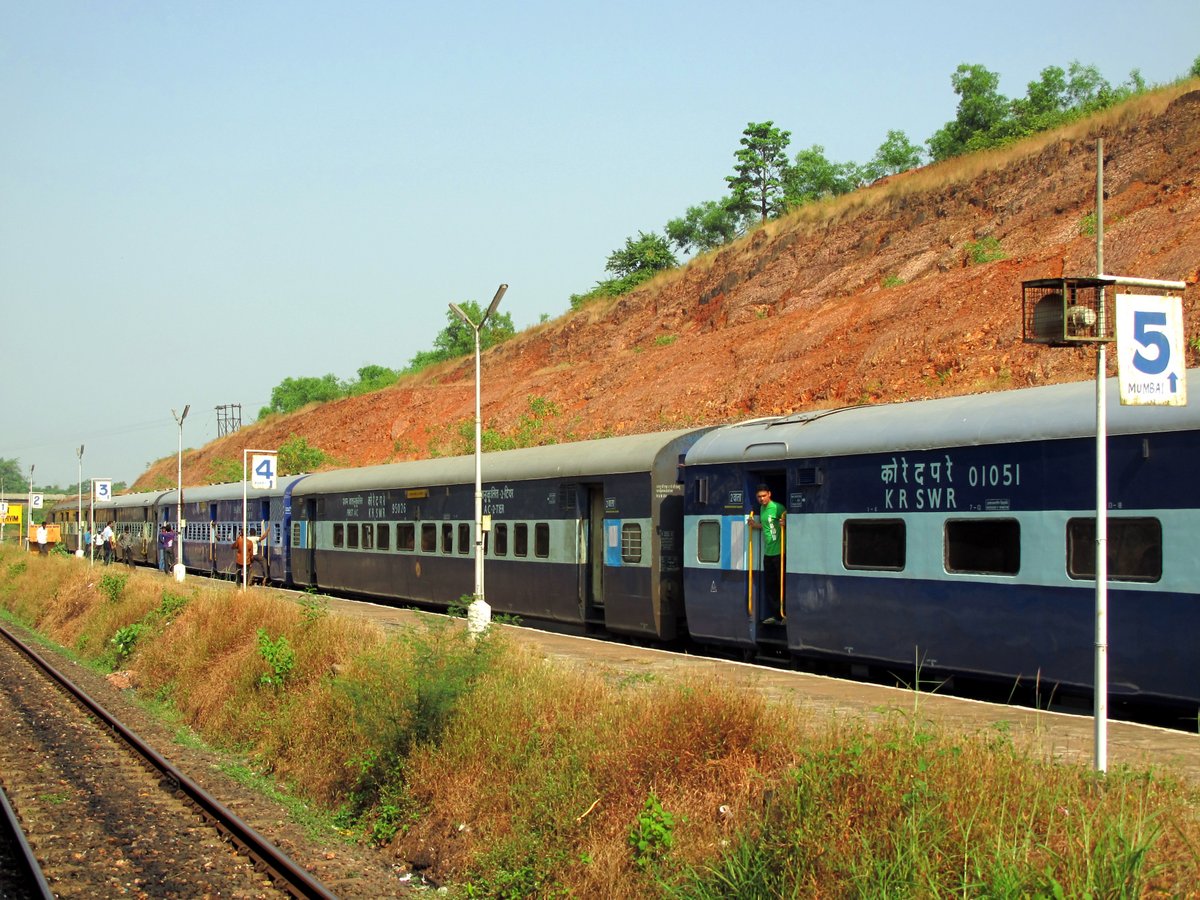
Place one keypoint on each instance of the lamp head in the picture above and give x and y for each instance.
(495, 302)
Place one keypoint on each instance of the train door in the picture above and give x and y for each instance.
(308, 540)
(767, 584)
(592, 545)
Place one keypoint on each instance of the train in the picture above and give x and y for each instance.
(956, 535)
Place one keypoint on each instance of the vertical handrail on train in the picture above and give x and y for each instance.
(749, 569)
(782, 566)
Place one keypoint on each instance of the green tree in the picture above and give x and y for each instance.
(813, 176)
(757, 185)
(704, 227)
(896, 154)
(983, 113)
(458, 339)
(292, 393)
(1194, 71)
(297, 455)
(372, 378)
(642, 257)
(11, 475)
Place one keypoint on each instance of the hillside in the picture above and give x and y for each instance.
(866, 299)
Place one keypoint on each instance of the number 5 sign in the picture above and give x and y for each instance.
(1150, 350)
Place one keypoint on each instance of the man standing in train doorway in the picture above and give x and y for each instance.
(770, 523)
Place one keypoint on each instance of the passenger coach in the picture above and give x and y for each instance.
(958, 534)
(586, 534)
(212, 517)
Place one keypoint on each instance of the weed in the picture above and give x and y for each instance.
(892, 281)
(985, 250)
(112, 585)
(653, 834)
(279, 657)
(126, 637)
(665, 340)
(314, 606)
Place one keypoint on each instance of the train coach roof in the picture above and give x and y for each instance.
(1029, 414)
(121, 501)
(633, 453)
(207, 493)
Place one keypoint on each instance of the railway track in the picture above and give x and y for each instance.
(106, 814)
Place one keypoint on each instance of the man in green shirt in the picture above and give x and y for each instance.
(770, 522)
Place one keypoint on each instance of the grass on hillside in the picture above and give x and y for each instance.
(512, 776)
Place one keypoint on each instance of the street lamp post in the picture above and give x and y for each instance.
(479, 614)
(29, 507)
(79, 520)
(180, 570)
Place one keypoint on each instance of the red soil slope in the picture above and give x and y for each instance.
(867, 299)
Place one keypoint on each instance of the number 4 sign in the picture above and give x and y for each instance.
(262, 471)
(1150, 350)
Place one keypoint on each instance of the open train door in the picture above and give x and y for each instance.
(767, 602)
(304, 547)
(591, 563)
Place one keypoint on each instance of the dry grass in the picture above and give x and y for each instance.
(515, 777)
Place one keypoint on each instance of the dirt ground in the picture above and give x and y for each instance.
(869, 298)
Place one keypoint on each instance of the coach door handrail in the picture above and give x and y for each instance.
(749, 569)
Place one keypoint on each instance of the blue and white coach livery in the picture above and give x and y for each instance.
(958, 534)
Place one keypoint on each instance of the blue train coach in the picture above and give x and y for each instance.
(958, 534)
(586, 535)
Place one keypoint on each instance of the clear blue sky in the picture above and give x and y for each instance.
(200, 199)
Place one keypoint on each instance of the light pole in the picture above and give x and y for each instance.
(79, 520)
(479, 614)
(29, 507)
(180, 570)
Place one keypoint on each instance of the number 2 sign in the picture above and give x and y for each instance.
(1150, 350)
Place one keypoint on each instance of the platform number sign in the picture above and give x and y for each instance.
(103, 491)
(263, 471)
(36, 501)
(1150, 350)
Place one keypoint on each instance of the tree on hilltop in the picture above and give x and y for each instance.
(757, 185)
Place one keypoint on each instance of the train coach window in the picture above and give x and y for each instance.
(428, 537)
(631, 542)
(873, 544)
(339, 534)
(406, 536)
(708, 541)
(447, 537)
(352, 535)
(501, 545)
(541, 540)
(368, 536)
(520, 539)
(383, 536)
(983, 546)
(464, 537)
(1134, 549)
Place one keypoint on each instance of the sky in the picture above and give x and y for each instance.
(201, 199)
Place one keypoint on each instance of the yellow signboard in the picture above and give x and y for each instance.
(13, 516)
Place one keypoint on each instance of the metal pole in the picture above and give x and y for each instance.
(479, 614)
(180, 569)
(30, 507)
(245, 456)
(79, 520)
(1101, 675)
